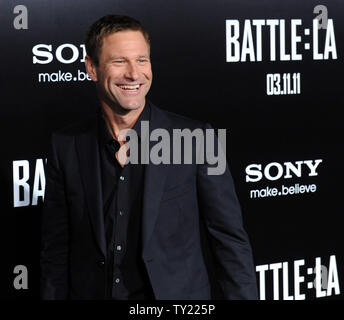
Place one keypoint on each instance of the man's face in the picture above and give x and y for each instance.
(124, 73)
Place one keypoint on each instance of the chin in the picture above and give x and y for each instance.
(133, 105)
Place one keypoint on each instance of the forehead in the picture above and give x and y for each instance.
(125, 43)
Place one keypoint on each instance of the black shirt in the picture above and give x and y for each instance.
(127, 277)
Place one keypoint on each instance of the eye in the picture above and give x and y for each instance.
(142, 60)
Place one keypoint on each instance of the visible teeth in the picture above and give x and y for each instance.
(130, 87)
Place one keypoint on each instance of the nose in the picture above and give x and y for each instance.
(132, 71)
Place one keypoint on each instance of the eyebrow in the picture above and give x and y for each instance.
(121, 57)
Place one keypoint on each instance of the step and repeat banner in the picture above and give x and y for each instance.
(269, 72)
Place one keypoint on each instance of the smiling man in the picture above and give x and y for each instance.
(113, 230)
(119, 63)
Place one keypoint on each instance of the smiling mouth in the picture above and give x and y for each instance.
(129, 87)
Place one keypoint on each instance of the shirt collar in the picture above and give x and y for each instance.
(106, 136)
(144, 116)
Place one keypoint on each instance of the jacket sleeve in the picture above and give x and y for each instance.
(55, 232)
(233, 260)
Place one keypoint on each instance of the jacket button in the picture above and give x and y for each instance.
(101, 263)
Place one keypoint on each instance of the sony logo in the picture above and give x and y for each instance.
(66, 53)
(275, 170)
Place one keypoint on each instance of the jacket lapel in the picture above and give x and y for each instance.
(88, 155)
(154, 181)
(155, 178)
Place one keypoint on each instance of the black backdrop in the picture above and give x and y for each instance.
(193, 78)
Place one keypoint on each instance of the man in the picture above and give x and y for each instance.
(117, 230)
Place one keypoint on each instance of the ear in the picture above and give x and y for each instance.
(91, 68)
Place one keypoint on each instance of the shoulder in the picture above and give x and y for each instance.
(77, 127)
(179, 121)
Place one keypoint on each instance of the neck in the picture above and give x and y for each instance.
(118, 121)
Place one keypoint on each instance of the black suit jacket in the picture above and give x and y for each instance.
(73, 238)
